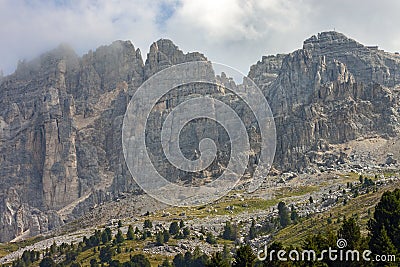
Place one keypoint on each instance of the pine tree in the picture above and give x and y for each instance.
(226, 254)
(283, 213)
(94, 263)
(230, 231)
(130, 235)
(119, 238)
(159, 238)
(386, 221)
(244, 257)
(104, 237)
(188, 257)
(252, 231)
(382, 245)
(144, 235)
(166, 235)
(140, 260)
(210, 239)
(217, 260)
(179, 260)
(351, 232)
(173, 228)
(53, 247)
(186, 232)
(47, 262)
(293, 215)
(147, 224)
(106, 254)
(109, 233)
(26, 257)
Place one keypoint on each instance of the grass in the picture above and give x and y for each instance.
(318, 223)
(353, 176)
(222, 241)
(7, 248)
(388, 174)
(286, 192)
(350, 177)
(221, 207)
(239, 206)
(85, 257)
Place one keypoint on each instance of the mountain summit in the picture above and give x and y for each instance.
(332, 91)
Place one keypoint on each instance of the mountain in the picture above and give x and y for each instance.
(330, 92)
(60, 134)
(61, 117)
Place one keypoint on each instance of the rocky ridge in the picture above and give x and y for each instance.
(332, 91)
(61, 117)
(60, 134)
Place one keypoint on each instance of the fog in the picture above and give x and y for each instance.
(233, 32)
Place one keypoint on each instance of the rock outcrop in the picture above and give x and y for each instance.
(165, 53)
(332, 91)
(60, 132)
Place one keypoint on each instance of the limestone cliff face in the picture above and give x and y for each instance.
(367, 63)
(165, 53)
(38, 162)
(264, 72)
(61, 118)
(60, 132)
(332, 91)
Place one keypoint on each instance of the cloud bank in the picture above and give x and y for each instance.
(233, 32)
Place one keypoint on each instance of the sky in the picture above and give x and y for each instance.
(233, 32)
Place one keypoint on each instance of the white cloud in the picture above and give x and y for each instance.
(234, 32)
(234, 20)
(369, 22)
(32, 28)
(237, 32)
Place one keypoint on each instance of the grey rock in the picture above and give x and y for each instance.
(61, 118)
(332, 91)
(164, 53)
(60, 132)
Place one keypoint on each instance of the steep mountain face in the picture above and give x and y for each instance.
(332, 91)
(60, 132)
(61, 118)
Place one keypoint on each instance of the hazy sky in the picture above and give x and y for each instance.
(234, 32)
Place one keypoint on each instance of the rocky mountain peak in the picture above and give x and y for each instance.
(267, 69)
(47, 62)
(369, 63)
(60, 131)
(165, 53)
(106, 67)
(165, 46)
(325, 38)
(331, 91)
